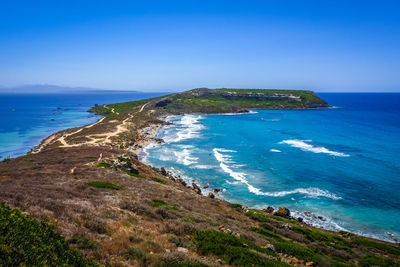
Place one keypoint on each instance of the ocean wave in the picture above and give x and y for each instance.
(187, 127)
(275, 150)
(224, 161)
(315, 149)
(182, 155)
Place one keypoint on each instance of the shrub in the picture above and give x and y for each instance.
(135, 239)
(159, 180)
(256, 216)
(232, 250)
(103, 165)
(317, 235)
(266, 233)
(377, 261)
(83, 242)
(235, 205)
(28, 242)
(158, 203)
(296, 250)
(103, 184)
(378, 245)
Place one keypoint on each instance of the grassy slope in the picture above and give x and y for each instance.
(138, 223)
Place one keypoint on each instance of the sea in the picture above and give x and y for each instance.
(26, 119)
(337, 168)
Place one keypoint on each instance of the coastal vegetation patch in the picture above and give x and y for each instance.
(28, 242)
(104, 184)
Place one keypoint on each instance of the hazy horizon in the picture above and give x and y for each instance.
(173, 46)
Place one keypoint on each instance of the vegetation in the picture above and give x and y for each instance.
(232, 250)
(158, 203)
(103, 165)
(367, 261)
(159, 180)
(104, 184)
(28, 242)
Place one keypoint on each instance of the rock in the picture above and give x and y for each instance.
(269, 209)
(310, 263)
(211, 195)
(270, 247)
(245, 245)
(163, 171)
(282, 212)
(196, 188)
(206, 186)
(237, 235)
(244, 209)
(221, 226)
(217, 190)
(219, 261)
(182, 250)
(300, 219)
(287, 226)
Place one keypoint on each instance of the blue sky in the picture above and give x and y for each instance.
(175, 45)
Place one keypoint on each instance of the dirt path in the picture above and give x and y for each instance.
(95, 139)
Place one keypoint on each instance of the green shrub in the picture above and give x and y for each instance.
(391, 249)
(232, 250)
(235, 205)
(266, 233)
(103, 165)
(135, 239)
(299, 251)
(28, 242)
(377, 261)
(103, 184)
(83, 242)
(159, 180)
(327, 238)
(256, 216)
(158, 203)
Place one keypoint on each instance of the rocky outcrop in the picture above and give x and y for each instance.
(282, 212)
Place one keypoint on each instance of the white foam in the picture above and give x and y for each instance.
(224, 161)
(182, 155)
(199, 166)
(315, 149)
(187, 127)
(275, 150)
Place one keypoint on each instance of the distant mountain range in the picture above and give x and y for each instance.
(48, 88)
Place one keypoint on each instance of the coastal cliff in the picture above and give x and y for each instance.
(88, 184)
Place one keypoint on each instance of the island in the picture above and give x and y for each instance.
(83, 198)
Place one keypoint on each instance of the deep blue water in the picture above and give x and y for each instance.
(340, 163)
(25, 119)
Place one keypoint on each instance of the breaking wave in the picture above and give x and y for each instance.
(315, 149)
(226, 159)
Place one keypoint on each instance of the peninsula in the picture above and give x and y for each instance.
(83, 198)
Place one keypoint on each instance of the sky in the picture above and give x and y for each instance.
(339, 46)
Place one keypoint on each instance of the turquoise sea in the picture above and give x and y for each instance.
(341, 163)
(25, 119)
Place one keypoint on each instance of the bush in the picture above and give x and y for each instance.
(256, 216)
(235, 205)
(233, 250)
(83, 242)
(103, 184)
(294, 249)
(158, 203)
(159, 180)
(103, 165)
(391, 249)
(377, 261)
(266, 233)
(28, 242)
